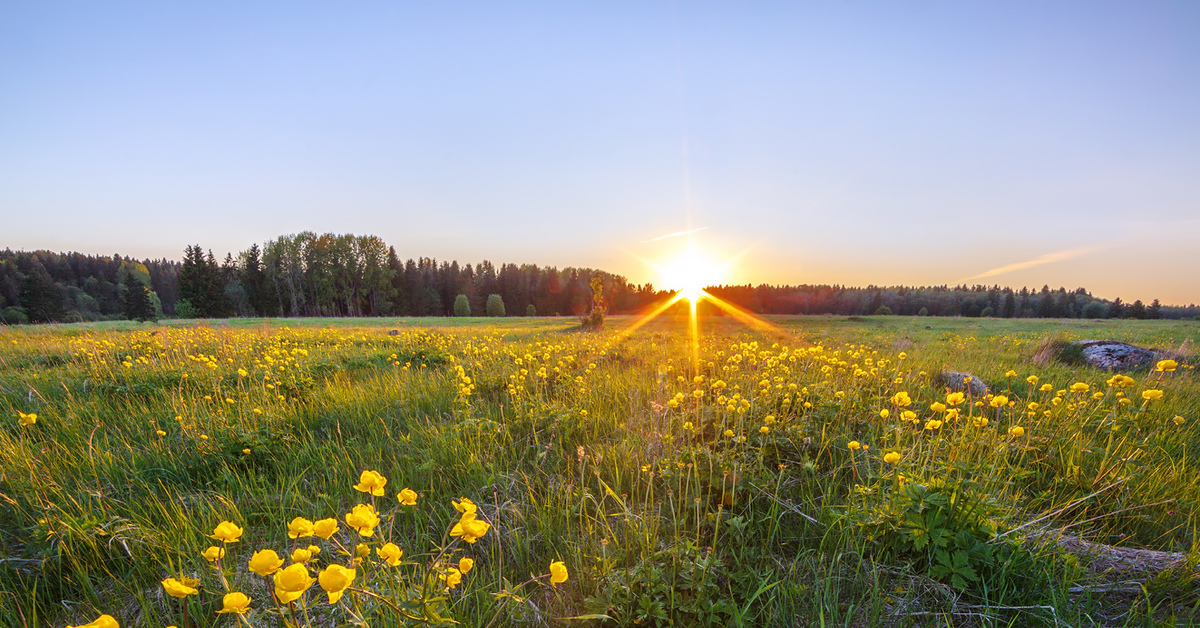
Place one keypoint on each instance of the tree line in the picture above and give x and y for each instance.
(309, 274)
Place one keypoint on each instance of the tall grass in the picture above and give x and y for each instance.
(719, 492)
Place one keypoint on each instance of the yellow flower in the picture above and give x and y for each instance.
(227, 532)
(180, 588)
(363, 518)
(1033, 405)
(933, 424)
(465, 506)
(453, 577)
(901, 399)
(1016, 431)
(1166, 366)
(469, 528)
(265, 562)
(999, 401)
(371, 482)
(1152, 395)
(884, 413)
(854, 445)
(213, 553)
(300, 527)
(955, 398)
(1046, 388)
(335, 579)
(891, 457)
(764, 429)
(1032, 379)
(26, 419)
(1079, 387)
(301, 555)
(1178, 420)
(407, 497)
(938, 407)
(980, 421)
(728, 433)
(558, 572)
(391, 553)
(465, 564)
(246, 451)
(688, 426)
(235, 603)
(362, 550)
(292, 582)
(160, 433)
(103, 621)
(325, 528)
(1011, 374)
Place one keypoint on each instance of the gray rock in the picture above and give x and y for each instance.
(393, 332)
(1117, 356)
(958, 381)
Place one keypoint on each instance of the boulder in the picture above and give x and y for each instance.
(958, 381)
(1117, 356)
(393, 332)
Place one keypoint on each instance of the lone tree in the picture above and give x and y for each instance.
(530, 310)
(495, 305)
(462, 305)
(595, 318)
(137, 301)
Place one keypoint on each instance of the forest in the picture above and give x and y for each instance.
(309, 274)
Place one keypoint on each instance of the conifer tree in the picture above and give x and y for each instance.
(137, 301)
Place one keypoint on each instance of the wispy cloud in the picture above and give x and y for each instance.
(672, 235)
(1048, 258)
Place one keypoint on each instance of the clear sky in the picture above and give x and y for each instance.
(851, 142)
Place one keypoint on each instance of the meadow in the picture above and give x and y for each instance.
(809, 471)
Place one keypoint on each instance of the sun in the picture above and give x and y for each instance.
(690, 272)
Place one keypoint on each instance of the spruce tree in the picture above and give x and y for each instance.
(137, 301)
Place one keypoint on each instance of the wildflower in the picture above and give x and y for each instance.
(364, 519)
(453, 576)
(909, 415)
(1011, 374)
(325, 528)
(390, 553)
(213, 553)
(103, 621)
(335, 579)
(933, 424)
(265, 562)
(999, 401)
(246, 451)
(938, 407)
(465, 564)
(687, 426)
(1033, 405)
(299, 528)
(465, 506)
(362, 550)
(1016, 431)
(160, 433)
(1032, 379)
(763, 430)
(883, 414)
(1178, 420)
(235, 603)
(1079, 387)
(892, 457)
(1046, 388)
(980, 421)
(180, 588)
(955, 398)
(227, 532)
(901, 399)
(26, 419)
(469, 528)
(301, 555)
(558, 572)
(728, 433)
(1152, 395)
(371, 482)
(292, 582)
(854, 445)
(407, 497)
(1166, 366)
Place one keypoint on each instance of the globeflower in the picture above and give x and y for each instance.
(1016, 431)
(469, 528)
(558, 572)
(213, 553)
(1152, 395)
(1032, 379)
(999, 401)
(1011, 374)
(301, 555)
(265, 562)
(465, 564)
(29, 419)
(955, 398)
(235, 602)
(901, 399)
(407, 497)
(335, 579)
(453, 576)
(933, 424)
(292, 582)
(180, 588)
(390, 553)
(938, 407)
(465, 506)
(300, 527)
(325, 528)
(103, 621)
(364, 519)
(1079, 387)
(371, 482)
(1166, 366)
(854, 445)
(892, 457)
(227, 532)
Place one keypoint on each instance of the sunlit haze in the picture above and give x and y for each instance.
(1015, 143)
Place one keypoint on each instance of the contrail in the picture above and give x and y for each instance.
(672, 235)
(1057, 256)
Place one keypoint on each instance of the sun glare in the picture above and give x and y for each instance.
(689, 273)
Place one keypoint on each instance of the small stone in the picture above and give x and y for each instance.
(958, 381)
(393, 332)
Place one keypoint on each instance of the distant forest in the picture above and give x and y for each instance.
(307, 274)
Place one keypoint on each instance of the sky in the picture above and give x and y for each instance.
(917, 143)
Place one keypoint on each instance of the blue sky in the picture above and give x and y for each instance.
(918, 143)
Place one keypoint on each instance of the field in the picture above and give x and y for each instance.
(812, 471)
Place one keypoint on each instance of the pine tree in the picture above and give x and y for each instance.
(137, 301)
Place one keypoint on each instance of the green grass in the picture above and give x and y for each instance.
(660, 517)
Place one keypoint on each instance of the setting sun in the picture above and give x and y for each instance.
(690, 272)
